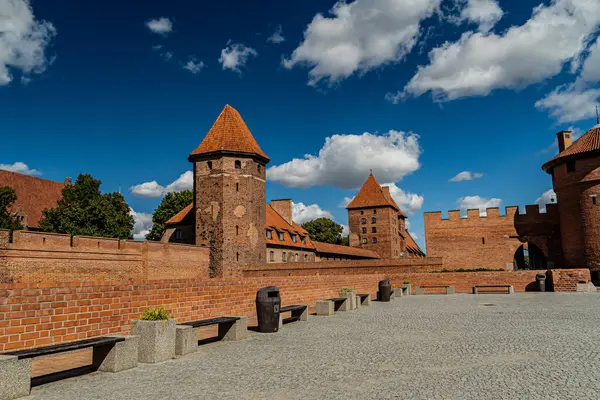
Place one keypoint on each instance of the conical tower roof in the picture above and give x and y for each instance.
(586, 145)
(371, 195)
(229, 134)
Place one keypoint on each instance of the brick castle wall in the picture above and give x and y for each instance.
(566, 280)
(43, 257)
(37, 314)
(491, 241)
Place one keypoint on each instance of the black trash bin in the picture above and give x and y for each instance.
(540, 279)
(385, 290)
(268, 303)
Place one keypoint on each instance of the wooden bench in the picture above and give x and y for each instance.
(421, 289)
(489, 289)
(230, 329)
(299, 312)
(110, 354)
(365, 299)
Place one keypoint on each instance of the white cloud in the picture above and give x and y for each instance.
(481, 203)
(568, 104)
(154, 190)
(23, 40)
(157, 47)
(576, 133)
(484, 13)
(21, 168)
(344, 203)
(548, 197)
(302, 213)
(167, 55)
(142, 224)
(345, 160)
(359, 36)
(161, 25)
(277, 36)
(466, 176)
(408, 202)
(236, 55)
(345, 230)
(194, 66)
(479, 62)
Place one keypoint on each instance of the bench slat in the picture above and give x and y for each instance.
(211, 321)
(61, 348)
(294, 307)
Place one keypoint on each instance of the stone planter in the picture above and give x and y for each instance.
(406, 287)
(351, 300)
(156, 340)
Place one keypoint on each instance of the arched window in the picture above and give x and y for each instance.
(209, 163)
(363, 221)
(364, 230)
(373, 220)
(374, 211)
(271, 256)
(238, 164)
(296, 257)
(283, 256)
(373, 230)
(306, 258)
(374, 240)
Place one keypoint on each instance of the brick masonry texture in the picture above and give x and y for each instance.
(38, 314)
(43, 257)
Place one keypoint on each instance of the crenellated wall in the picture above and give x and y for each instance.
(43, 257)
(491, 241)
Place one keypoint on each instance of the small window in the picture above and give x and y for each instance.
(364, 230)
(303, 239)
(271, 256)
(258, 167)
(306, 258)
(594, 200)
(269, 235)
(294, 238)
(373, 220)
(283, 256)
(237, 230)
(373, 230)
(237, 256)
(209, 164)
(373, 240)
(374, 211)
(237, 187)
(238, 164)
(280, 236)
(567, 136)
(571, 166)
(361, 212)
(482, 240)
(364, 240)
(297, 257)
(363, 221)
(178, 235)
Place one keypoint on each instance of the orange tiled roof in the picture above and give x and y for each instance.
(276, 223)
(412, 247)
(344, 250)
(589, 142)
(182, 215)
(34, 195)
(229, 133)
(371, 195)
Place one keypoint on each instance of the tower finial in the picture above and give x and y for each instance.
(371, 170)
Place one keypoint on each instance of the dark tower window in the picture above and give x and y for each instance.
(361, 212)
(271, 256)
(373, 220)
(374, 211)
(374, 240)
(594, 200)
(571, 166)
(363, 221)
(364, 230)
(482, 240)
(237, 187)
(373, 230)
(238, 164)
(269, 235)
(237, 230)
(237, 256)
(283, 256)
(258, 167)
(364, 240)
(209, 164)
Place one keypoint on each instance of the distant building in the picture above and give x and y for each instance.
(566, 236)
(230, 213)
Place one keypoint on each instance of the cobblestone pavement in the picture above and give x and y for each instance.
(522, 346)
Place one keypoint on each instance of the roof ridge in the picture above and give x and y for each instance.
(371, 194)
(589, 142)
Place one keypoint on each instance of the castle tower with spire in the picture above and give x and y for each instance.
(230, 195)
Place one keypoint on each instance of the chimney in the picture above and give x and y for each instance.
(283, 208)
(386, 191)
(67, 181)
(564, 140)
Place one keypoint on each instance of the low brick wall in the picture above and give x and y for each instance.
(347, 267)
(46, 257)
(37, 314)
(566, 280)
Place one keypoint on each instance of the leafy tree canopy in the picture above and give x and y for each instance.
(7, 198)
(170, 205)
(83, 210)
(324, 230)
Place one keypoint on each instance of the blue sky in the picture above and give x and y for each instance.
(419, 94)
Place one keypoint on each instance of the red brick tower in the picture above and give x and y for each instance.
(376, 222)
(576, 179)
(230, 195)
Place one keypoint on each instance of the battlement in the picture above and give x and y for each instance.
(532, 211)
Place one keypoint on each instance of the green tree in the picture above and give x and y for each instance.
(324, 230)
(84, 210)
(7, 198)
(169, 206)
(345, 241)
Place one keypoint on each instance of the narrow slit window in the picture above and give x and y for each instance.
(482, 240)
(237, 187)
(238, 164)
(209, 163)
